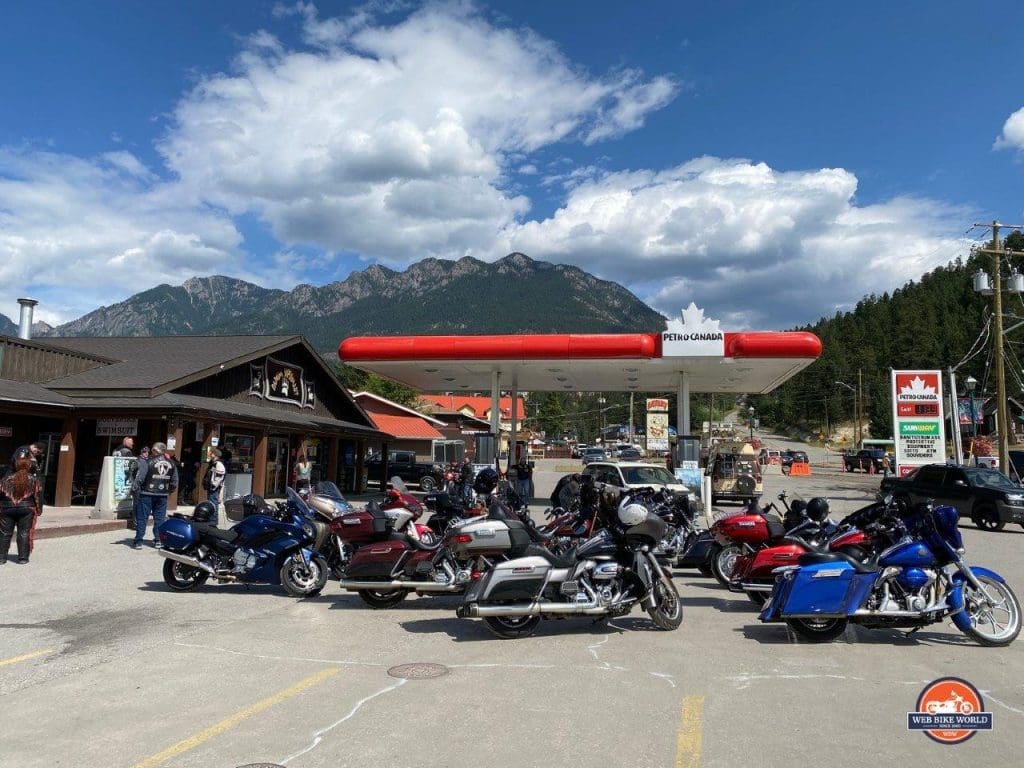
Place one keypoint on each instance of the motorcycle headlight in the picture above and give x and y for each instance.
(309, 530)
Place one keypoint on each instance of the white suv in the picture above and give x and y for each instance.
(634, 474)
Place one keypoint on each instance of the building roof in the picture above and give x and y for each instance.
(31, 394)
(159, 362)
(478, 404)
(406, 427)
(398, 421)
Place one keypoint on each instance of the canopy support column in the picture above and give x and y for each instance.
(515, 426)
(683, 405)
(496, 406)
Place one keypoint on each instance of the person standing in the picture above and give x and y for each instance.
(156, 479)
(20, 504)
(213, 480)
(524, 481)
(303, 473)
(127, 448)
(466, 475)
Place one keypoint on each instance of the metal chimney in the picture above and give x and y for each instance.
(25, 321)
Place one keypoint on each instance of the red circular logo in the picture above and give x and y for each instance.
(948, 700)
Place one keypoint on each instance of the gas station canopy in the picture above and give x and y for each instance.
(709, 360)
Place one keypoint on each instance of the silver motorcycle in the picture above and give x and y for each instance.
(607, 576)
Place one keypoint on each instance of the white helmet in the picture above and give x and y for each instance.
(632, 514)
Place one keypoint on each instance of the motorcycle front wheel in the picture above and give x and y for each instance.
(667, 613)
(383, 599)
(300, 580)
(996, 624)
(512, 627)
(723, 561)
(181, 577)
(817, 630)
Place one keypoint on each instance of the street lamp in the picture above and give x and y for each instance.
(751, 411)
(971, 383)
(856, 409)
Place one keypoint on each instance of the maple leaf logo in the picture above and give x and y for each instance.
(693, 321)
(918, 387)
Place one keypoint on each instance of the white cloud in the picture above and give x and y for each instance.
(1012, 136)
(393, 141)
(81, 233)
(756, 246)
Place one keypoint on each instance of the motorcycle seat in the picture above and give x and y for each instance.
(556, 561)
(214, 532)
(820, 558)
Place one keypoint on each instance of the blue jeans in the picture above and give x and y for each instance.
(146, 506)
(523, 489)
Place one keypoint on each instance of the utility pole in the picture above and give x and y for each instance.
(860, 408)
(1002, 423)
(630, 418)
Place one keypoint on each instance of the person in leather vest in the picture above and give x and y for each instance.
(156, 479)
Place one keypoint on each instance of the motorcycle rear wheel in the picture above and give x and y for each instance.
(181, 577)
(384, 598)
(300, 581)
(512, 627)
(668, 613)
(723, 561)
(817, 630)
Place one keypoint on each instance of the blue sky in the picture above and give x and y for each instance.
(772, 162)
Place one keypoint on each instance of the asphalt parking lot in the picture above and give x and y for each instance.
(100, 665)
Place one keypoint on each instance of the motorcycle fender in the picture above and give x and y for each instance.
(956, 600)
(642, 568)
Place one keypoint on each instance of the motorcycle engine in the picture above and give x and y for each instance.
(244, 560)
(606, 571)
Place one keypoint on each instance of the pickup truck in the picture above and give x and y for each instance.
(403, 463)
(864, 459)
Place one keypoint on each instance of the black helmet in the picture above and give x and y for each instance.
(486, 481)
(817, 509)
(204, 512)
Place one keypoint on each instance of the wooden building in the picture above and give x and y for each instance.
(263, 399)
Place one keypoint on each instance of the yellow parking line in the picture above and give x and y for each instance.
(691, 732)
(27, 656)
(225, 725)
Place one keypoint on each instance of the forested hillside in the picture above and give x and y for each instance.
(930, 323)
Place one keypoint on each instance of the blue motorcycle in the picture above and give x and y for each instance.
(271, 545)
(918, 581)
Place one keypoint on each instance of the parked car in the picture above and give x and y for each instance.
(787, 458)
(735, 473)
(985, 496)
(630, 454)
(767, 454)
(403, 464)
(594, 454)
(864, 459)
(578, 449)
(634, 474)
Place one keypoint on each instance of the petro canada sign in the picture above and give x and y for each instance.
(693, 336)
(917, 417)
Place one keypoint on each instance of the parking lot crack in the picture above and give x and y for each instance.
(265, 657)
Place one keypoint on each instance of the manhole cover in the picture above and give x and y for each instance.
(419, 671)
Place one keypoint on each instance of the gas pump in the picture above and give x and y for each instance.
(686, 460)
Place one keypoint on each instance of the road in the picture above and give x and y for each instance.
(100, 665)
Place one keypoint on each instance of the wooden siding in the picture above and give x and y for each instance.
(26, 362)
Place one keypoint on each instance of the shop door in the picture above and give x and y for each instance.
(277, 466)
(50, 443)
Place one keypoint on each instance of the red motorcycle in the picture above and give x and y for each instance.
(751, 530)
(753, 572)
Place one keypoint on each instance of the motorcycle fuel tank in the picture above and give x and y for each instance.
(911, 554)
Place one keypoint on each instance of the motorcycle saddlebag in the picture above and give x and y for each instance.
(178, 533)
(375, 561)
(362, 527)
(824, 590)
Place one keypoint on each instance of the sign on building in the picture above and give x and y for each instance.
(657, 424)
(117, 427)
(918, 419)
(693, 336)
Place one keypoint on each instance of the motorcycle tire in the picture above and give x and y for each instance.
(1012, 611)
(299, 584)
(383, 599)
(668, 613)
(183, 578)
(724, 558)
(512, 627)
(817, 630)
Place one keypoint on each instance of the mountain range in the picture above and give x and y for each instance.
(513, 295)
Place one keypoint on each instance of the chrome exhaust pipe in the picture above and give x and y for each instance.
(417, 586)
(757, 587)
(186, 560)
(476, 611)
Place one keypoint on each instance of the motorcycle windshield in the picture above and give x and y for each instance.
(297, 505)
(328, 490)
(398, 484)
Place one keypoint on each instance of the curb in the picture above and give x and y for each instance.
(60, 531)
